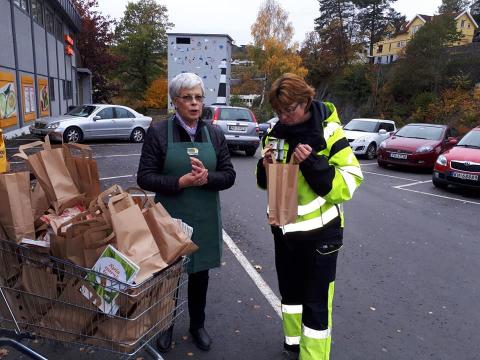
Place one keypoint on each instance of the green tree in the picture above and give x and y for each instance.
(141, 44)
(94, 44)
(336, 26)
(374, 17)
(424, 64)
(453, 6)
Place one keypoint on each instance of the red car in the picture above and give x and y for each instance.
(460, 165)
(416, 145)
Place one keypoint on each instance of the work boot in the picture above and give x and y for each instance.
(291, 352)
(164, 340)
(201, 338)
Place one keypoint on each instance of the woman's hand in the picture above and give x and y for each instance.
(197, 177)
(267, 156)
(302, 151)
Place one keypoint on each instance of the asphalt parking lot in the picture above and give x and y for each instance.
(406, 281)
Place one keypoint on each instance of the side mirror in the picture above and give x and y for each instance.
(452, 141)
(96, 117)
(382, 132)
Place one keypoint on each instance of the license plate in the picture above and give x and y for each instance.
(465, 176)
(237, 128)
(398, 156)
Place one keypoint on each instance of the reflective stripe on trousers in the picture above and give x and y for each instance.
(292, 322)
(315, 344)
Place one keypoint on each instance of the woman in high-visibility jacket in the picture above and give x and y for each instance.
(306, 250)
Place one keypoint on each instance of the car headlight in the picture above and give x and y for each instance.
(442, 160)
(53, 125)
(424, 149)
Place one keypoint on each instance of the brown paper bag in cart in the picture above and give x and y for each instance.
(282, 180)
(171, 240)
(52, 173)
(133, 236)
(83, 168)
(72, 315)
(16, 215)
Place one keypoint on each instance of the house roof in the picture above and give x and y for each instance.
(469, 16)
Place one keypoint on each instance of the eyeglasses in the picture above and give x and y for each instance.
(288, 110)
(190, 98)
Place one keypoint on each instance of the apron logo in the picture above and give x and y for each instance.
(192, 151)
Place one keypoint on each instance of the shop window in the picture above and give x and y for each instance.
(67, 89)
(37, 11)
(49, 21)
(22, 4)
(51, 88)
(59, 30)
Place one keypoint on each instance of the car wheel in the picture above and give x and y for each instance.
(72, 135)
(381, 164)
(138, 135)
(371, 151)
(438, 184)
(250, 152)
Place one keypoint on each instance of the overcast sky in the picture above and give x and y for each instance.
(234, 17)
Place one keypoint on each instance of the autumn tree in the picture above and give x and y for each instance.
(156, 96)
(272, 22)
(94, 44)
(141, 43)
(272, 51)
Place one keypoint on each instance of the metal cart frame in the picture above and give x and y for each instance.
(41, 295)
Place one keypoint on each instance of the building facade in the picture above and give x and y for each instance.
(389, 49)
(207, 55)
(39, 69)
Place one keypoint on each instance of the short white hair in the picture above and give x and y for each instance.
(184, 81)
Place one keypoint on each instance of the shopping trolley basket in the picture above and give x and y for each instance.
(51, 298)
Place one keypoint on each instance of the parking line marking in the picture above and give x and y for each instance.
(117, 177)
(389, 176)
(254, 275)
(440, 196)
(411, 184)
(371, 163)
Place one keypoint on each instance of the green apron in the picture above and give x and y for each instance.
(196, 206)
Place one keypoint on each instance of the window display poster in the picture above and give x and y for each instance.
(29, 107)
(43, 98)
(8, 99)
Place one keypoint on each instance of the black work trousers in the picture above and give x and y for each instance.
(306, 265)
(197, 298)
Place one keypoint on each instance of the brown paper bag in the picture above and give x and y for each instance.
(71, 313)
(16, 215)
(83, 168)
(171, 240)
(52, 173)
(133, 236)
(96, 239)
(282, 180)
(40, 203)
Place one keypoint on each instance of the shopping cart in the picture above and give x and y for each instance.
(44, 296)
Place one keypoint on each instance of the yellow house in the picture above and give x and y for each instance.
(389, 49)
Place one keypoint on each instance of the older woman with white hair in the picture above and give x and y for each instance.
(186, 162)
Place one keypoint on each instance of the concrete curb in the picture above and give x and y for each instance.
(8, 135)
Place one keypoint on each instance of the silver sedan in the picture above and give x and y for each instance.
(94, 121)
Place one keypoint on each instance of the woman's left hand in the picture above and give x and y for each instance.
(302, 151)
(199, 172)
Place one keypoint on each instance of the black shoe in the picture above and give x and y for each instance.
(164, 341)
(201, 339)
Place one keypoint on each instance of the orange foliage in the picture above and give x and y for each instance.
(156, 96)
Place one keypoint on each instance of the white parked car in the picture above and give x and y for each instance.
(365, 135)
(94, 121)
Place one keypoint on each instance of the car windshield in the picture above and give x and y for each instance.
(82, 111)
(472, 139)
(420, 132)
(235, 114)
(361, 125)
